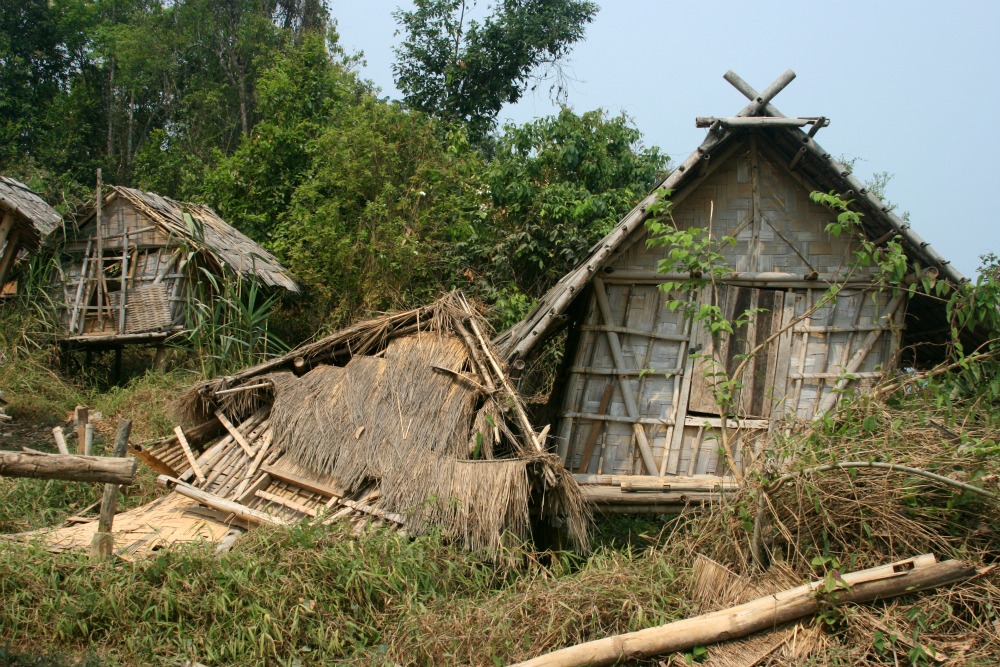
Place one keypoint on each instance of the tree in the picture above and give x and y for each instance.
(557, 185)
(460, 70)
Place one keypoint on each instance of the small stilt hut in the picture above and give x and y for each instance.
(128, 266)
(25, 219)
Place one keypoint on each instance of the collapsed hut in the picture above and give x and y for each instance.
(633, 407)
(407, 420)
(136, 260)
(25, 219)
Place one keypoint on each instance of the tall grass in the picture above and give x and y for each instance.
(227, 323)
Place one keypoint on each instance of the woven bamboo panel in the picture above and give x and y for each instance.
(652, 340)
(788, 234)
(148, 308)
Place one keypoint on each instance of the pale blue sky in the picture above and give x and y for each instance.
(911, 88)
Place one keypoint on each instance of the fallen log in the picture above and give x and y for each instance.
(72, 468)
(907, 576)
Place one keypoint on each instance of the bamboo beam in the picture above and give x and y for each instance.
(179, 432)
(102, 544)
(73, 468)
(242, 512)
(900, 578)
(233, 431)
(759, 121)
(624, 382)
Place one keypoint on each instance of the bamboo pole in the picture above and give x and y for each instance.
(60, 439)
(903, 577)
(247, 514)
(102, 544)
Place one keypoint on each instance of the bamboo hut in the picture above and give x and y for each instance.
(136, 258)
(407, 420)
(25, 219)
(633, 407)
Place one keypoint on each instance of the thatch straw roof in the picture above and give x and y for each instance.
(38, 217)
(200, 226)
(407, 419)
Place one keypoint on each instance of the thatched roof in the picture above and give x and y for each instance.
(202, 227)
(816, 167)
(408, 419)
(38, 218)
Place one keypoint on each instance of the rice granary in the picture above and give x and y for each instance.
(136, 259)
(634, 405)
(407, 420)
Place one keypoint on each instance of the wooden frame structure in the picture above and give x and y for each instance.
(25, 219)
(634, 398)
(127, 269)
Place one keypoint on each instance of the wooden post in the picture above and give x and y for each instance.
(102, 546)
(81, 429)
(100, 254)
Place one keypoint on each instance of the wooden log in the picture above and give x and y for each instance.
(102, 544)
(60, 439)
(903, 577)
(247, 514)
(73, 468)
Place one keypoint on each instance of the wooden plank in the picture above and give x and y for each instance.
(260, 484)
(179, 432)
(624, 383)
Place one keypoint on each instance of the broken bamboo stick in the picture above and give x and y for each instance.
(903, 577)
(179, 432)
(60, 439)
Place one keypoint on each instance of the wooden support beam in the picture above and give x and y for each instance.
(879, 583)
(624, 382)
(102, 544)
(73, 468)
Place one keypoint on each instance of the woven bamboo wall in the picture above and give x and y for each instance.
(664, 359)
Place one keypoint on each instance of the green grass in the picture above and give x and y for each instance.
(305, 596)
